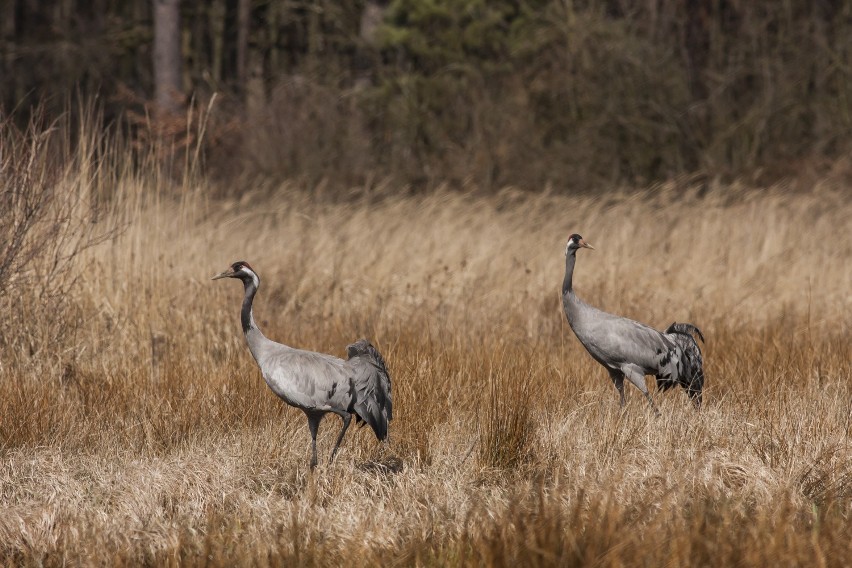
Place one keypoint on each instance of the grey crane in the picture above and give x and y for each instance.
(317, 383)
(630, 349)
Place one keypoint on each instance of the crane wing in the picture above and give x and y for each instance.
(372, 385)
(617, 342)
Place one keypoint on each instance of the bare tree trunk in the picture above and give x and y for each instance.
(167, 55)
(243, 13)
(216, 14)
(9, 45)
(366, 57)
(371, 19)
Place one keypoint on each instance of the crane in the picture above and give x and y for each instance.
(317, 383)
(630, 349)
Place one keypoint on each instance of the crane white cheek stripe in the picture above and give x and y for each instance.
(254, 277)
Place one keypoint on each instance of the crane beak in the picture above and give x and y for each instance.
(226, 274)
(584, 244)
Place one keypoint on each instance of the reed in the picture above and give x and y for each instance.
(146, 435)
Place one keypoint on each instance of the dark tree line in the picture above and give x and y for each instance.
(579, 94)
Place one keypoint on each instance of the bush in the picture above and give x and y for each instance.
(51, 216)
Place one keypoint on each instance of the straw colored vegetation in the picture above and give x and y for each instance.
(144, 433)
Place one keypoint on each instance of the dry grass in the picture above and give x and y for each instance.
(150, 438)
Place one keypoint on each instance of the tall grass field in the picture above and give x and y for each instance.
(135, 427)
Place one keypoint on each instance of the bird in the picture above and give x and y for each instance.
(318, 383)
(630, 349)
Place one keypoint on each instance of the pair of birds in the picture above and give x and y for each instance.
(318, 383)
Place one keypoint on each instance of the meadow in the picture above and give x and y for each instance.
(140, 431)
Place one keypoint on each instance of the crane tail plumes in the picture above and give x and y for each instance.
(685, 329)
(686, 365)
(372, 386)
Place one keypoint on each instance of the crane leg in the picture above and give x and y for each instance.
(618, 381)
(347, 418)
(694, 391)
(651, 402)
(639, 381)
(313, 425)
(696, 399)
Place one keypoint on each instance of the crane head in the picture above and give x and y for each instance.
(575, 241)
(239, 269)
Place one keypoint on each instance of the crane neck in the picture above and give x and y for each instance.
(254, 337)
(568, 282)
(571, 304)
(246, 315)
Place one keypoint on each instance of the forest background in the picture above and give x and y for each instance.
(574, 95)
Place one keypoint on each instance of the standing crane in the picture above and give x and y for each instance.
(630, 349)
(317, 383)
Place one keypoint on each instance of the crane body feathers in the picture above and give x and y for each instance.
(615, 341)
(303, 379)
